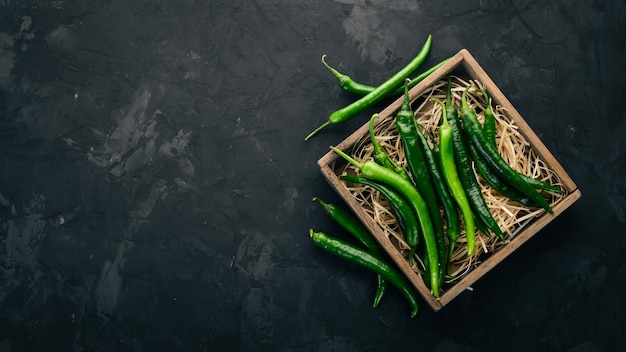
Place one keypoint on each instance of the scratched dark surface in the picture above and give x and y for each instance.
(155, 188)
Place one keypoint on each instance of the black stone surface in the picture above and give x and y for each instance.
(155, 188)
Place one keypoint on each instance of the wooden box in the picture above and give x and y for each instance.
(466, 64)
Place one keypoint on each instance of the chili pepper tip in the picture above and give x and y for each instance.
(324, 125)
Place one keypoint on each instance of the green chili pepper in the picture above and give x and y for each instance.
(351, 224)
(356, 88)
(493, 158)
(373, 171)
(450, 173)
(489, 123)
(465, 170)
(346, 113)
(380, 155)
(494, 181)
(407, 126)
(489, 128)
(368, 261)
(451, 215)
(453, 224)
(400, 207)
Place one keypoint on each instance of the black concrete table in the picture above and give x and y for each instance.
(155, 188)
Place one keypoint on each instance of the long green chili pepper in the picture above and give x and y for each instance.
(368, 261)
(465, 170)
(356, 88)
(489, 123)
(450, 173)
(494, 180)
(351, 224)
(493, 158)
(407, 126)
(453, 223)
(489, 128)
(380, 155)
(400, 207)
(379, 173)
(346, 113)
(478, 223)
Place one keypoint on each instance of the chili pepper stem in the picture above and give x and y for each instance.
(347, 157)
(340, 76)
(406, 104)
(371, 130)
(380, 156)
(346, 82)
(464, 104)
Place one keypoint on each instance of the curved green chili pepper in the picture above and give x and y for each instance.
(346, 82)
(379, 173)
(346, 113)
(494, 180)
(407, 126)
(351, 224)
(368, 261)
(450, 173)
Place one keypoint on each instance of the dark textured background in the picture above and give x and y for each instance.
(155, 188)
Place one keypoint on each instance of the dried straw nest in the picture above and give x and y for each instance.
(511, 216)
